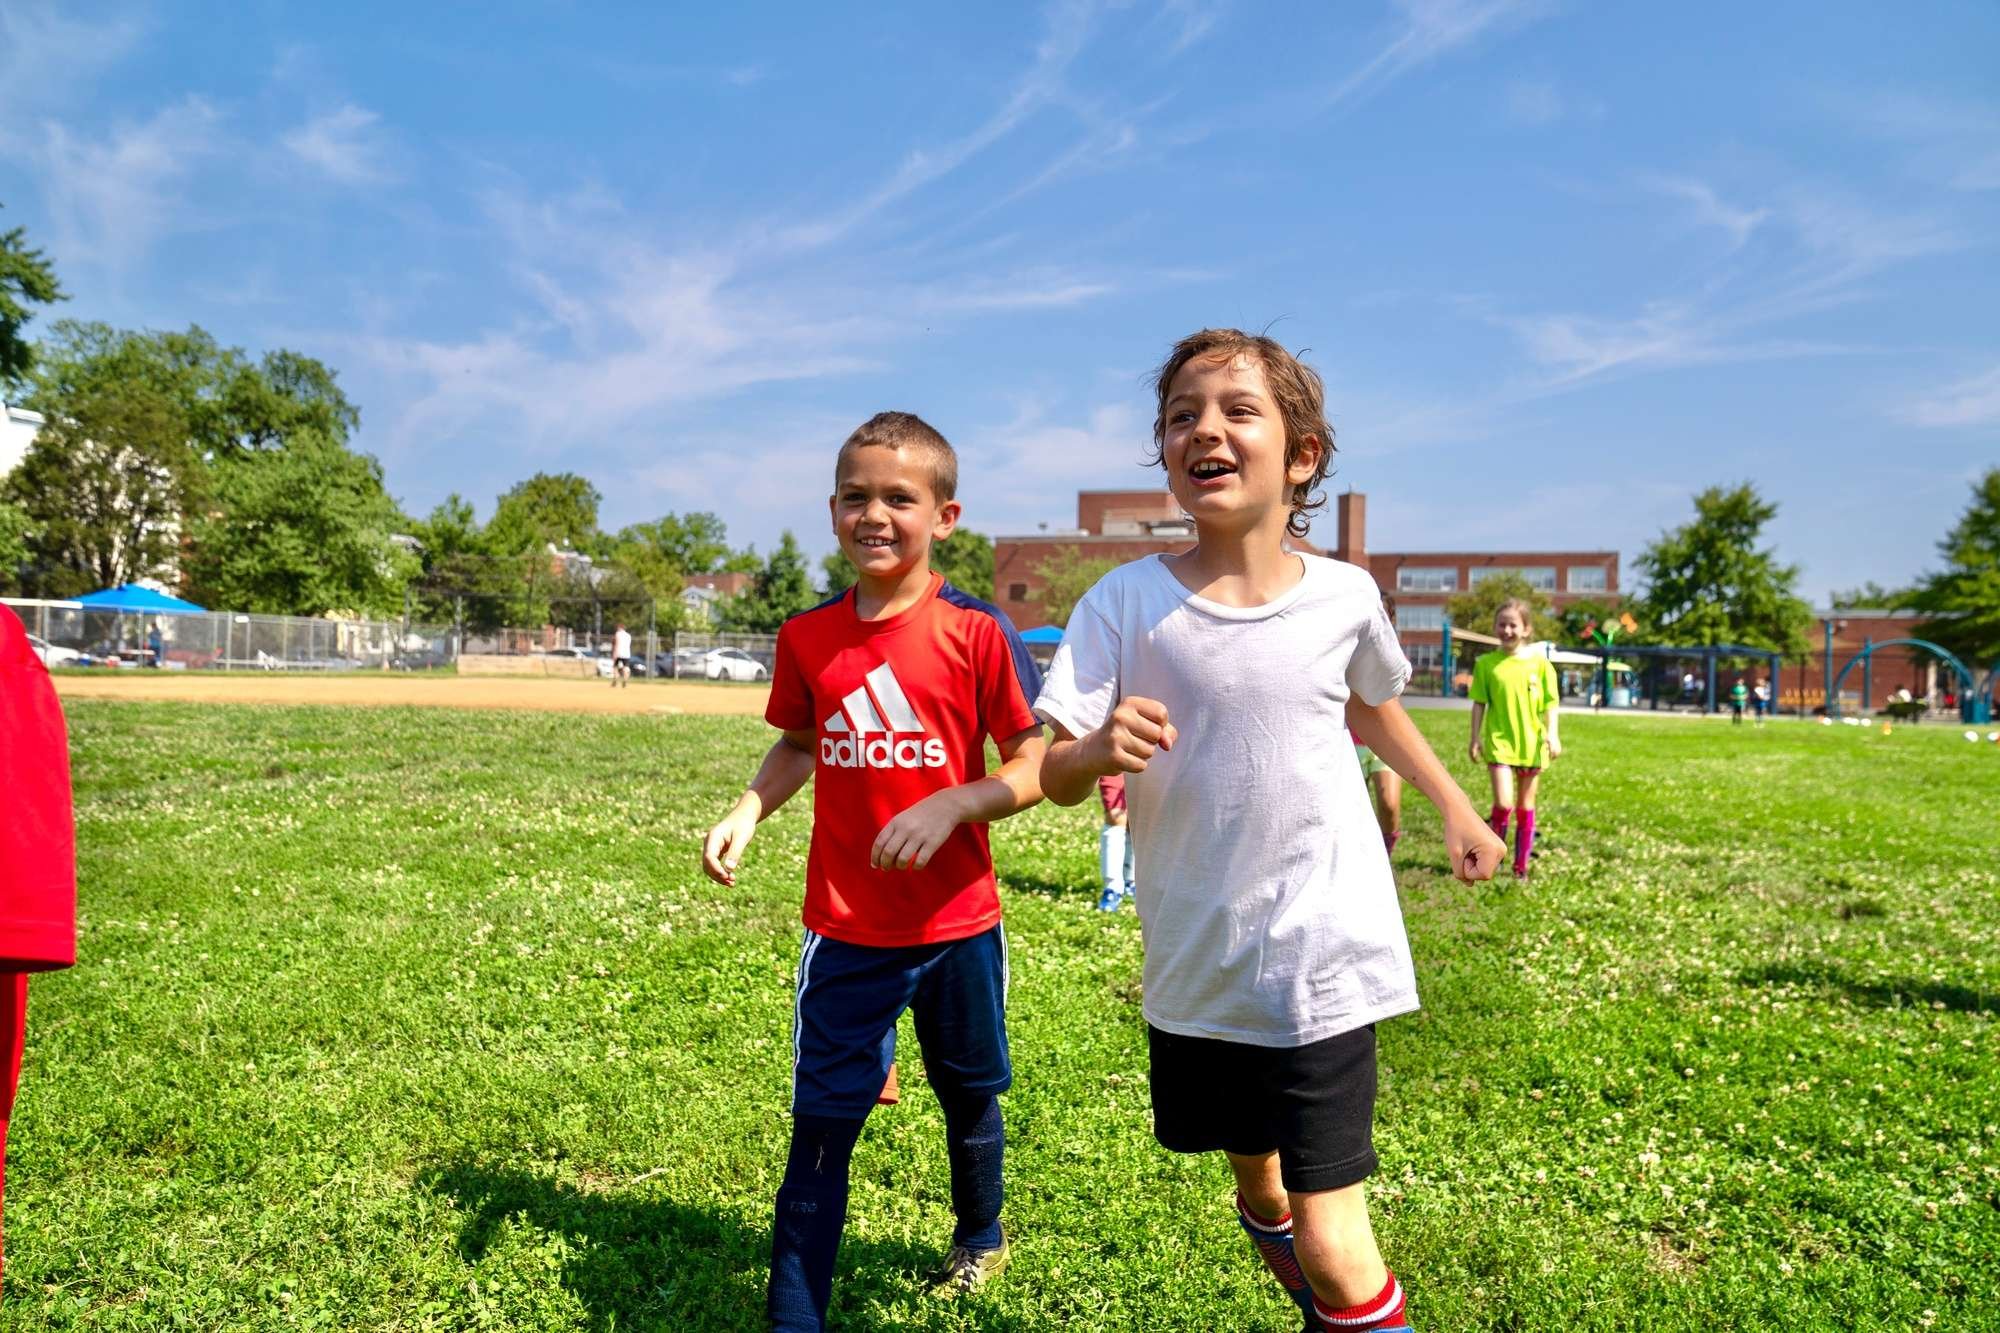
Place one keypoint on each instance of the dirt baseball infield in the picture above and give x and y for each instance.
(390, 690)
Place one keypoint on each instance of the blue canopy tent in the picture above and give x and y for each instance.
(1045, 635)
(141, 601)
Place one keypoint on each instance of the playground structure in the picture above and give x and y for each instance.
(1975, 699)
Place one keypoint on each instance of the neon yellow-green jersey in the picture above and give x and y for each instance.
(1518, 692)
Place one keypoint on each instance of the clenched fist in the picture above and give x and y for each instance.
(1136, 729)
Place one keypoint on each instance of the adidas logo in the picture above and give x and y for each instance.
(873, 729)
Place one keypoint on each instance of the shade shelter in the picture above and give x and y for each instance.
(133, 598)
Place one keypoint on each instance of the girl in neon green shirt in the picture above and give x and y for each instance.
(1514, 695)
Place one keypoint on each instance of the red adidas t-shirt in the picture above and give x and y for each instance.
(37, 832)
(900, 708)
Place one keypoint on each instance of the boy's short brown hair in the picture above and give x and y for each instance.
(906, 430)
(1296, 387)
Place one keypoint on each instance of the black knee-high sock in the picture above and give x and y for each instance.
(812, 1210)
(976, 1141)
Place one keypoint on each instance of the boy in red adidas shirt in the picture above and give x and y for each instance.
(886, 695)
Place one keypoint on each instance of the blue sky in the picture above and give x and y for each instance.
(1561, 264)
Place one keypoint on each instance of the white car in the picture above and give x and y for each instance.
(53, 654)
(728, 664)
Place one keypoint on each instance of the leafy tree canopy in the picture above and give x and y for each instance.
(300, 531)
(26, 280)
(1871, 596)
(1962, 600)
(781, 590)
(1709, 582)
(16, 528)
(103, 488)
(231, 405)
(1067, 574)
(558, 509)
(696, 543)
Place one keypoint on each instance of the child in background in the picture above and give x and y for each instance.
(1514, 696)
(1114, 847)
(1222, 682)
(1739, 696)
(885, 696)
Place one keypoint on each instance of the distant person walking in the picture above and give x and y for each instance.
(156, 647)
(1739, 695)
(621, 657)
(1760, 699)
(1514, 695)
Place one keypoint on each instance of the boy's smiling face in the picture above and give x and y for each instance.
(1224, 445)
(1510, 627)
(886, 514)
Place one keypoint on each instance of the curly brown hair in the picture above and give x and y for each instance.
(1294, 385)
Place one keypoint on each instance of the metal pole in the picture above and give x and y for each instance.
(652, 637)
(1711, 681)
(1826, 681)
(1444, 686)
(1867, 674)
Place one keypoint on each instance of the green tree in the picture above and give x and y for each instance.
(1962, 601)
(781, 590)
(1475, 608)
(16, 528)
(104, 487)
(838, 574)
(231, 405)
(696, 543)
(1708, 582)
(301, 531)
(26, 279)
(966, 560)
(458, 576)
(1871, 596)
(1066, 574)
(547, 510)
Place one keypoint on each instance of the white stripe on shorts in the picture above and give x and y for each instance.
(798, 1007)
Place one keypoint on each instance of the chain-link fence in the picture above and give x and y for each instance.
(78, 635)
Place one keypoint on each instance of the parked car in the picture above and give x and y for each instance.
(727, 664)
(54, 654)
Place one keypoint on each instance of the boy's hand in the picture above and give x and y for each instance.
(1131, 735)
(911, 839)
(1555, 746)
(1476, 851)
(724, 846)
(1473, 750)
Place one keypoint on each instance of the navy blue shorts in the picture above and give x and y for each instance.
(850, 996)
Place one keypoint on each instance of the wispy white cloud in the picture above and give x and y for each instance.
(1707, 206)
(1428, 30)
(111, 198)
(1953, 141)
(1533, 102)
(347, 145)
(47, 57)
(1034, 463)
(1969, 402)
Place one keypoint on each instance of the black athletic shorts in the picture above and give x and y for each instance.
(1313, 1105)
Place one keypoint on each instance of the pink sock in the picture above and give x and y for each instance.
(1385, 1311)
(1524, 840)
(1497, 821)
(1392, 838)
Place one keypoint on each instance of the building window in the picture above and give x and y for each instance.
(1424, 656)
(1418, 618)
(1017, 592)
(1541, 577)
(1589, 578)
(1426, 578)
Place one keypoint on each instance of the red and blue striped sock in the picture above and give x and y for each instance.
(1383, 1314)
(1273, 1239)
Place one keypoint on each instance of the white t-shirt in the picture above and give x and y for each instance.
(621, 643)
(1264, 891)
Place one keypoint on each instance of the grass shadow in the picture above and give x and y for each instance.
(641, 1262)
(1893, 994)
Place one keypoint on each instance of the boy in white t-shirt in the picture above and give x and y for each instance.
(1222, 682)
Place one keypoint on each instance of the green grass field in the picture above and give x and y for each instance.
(427, 1020)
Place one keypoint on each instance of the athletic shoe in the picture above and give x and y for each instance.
(968, 1270)
(1108, 900)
